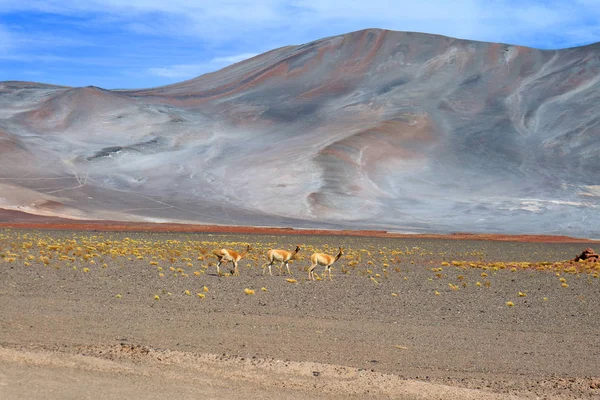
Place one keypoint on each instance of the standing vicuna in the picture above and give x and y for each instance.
(325, 260)
(226, 255)
(281, 256)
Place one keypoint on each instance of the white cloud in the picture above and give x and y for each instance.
(13, 42)
(181, 71)
(6, 41)
(241, 10)
(186, 71)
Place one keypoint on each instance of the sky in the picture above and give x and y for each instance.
(146, 43)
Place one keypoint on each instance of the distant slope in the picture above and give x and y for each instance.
(369, 130)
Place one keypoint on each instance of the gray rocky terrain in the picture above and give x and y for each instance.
(370, 130)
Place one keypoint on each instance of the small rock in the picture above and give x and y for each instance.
(316, 373)
(595, 383)
(588, 254)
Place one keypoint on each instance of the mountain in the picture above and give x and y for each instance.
(373, 129)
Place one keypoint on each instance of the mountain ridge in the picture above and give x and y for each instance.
(374, 129)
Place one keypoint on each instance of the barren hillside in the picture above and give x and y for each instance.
(369, 130)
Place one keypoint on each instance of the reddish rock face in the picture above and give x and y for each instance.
(587, 254)
(370, 130)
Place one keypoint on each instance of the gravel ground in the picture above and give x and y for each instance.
(393, 309)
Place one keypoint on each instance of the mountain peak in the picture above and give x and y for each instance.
(374, 129)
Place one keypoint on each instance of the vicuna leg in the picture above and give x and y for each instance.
(265, 268)
(288, 268)
(311, 274)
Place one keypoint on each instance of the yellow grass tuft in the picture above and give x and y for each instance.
(201, 295)
(291, 280)
(510, 304)
(248, 291)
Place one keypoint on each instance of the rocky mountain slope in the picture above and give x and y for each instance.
(370, 130)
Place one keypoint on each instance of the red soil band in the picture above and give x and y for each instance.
(19, 220)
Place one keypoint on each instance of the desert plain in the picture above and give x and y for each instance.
(113, 314)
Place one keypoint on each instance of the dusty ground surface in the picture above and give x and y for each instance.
(395, 322)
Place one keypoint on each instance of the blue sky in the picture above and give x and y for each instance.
(146, 43)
